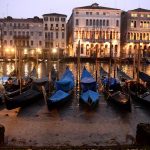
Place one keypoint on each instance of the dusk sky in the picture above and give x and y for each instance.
(31, 8)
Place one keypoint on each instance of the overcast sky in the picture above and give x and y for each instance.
(31, 8)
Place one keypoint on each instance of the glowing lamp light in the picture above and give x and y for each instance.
(25, 51)
(7, 50)
(54, 50)
(38, 50)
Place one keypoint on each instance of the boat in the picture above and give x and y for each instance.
(89, 95)
(139, 93)
(21, 100)
(113, 92)
(12, 86)
(145, 78)
(122, 76)
(103, 73)
(147, 60)
(64, 89)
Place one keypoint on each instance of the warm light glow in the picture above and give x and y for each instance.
(12, 50)
(141, 44)
(38, 50)
(7, 50)
(54, 50)
(25, 51)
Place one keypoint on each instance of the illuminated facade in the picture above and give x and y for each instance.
(136, 32)
(25, 35)
(55, 32)
(96, 28)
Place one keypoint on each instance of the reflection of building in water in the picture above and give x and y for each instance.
(95, 26)
(135, 32)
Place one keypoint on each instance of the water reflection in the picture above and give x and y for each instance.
(42, 68)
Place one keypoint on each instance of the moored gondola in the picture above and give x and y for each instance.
(89, 95)
(114, 93)
(64, 90)
(139, 93)
(23, 99)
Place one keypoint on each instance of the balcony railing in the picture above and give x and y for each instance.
(21, 36)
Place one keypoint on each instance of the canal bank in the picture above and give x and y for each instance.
(72, 125)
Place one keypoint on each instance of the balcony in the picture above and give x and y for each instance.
(21, 36)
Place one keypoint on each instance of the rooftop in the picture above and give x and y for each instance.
(96, 6)
(140, 10)
(55, 14)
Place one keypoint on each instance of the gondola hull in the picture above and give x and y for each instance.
(58, 99)
(90, 98)
(143, 99)
(64, 89)
(23, 99)
(118, 98)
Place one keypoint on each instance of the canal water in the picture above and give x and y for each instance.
(71, 124)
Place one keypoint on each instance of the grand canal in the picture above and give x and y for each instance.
(71, 125)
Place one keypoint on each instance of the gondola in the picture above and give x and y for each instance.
(64, 89)
(122, 76)
(145, 78)
(113, 92)
(139, 93)
(89, 95)
(23, 99)
(12, 86)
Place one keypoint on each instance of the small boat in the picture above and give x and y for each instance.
(114, 93)
(147, 60)
(12, 86)
(23, 99)
(145, 78)
(89, 95)
(103, 73)
(64, 89)
(122, 75)
(139, 93)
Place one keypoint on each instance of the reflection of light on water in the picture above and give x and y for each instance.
(26, 70)
(39, 72)
(9, 68)
(55, 66)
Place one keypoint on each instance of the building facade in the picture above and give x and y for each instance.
(55, 32)
(96, 28)
(136, 32)
(24, 35)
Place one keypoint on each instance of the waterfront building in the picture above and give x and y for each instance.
(21, 35)
(136, 32)
(55, 32)
(96, 27)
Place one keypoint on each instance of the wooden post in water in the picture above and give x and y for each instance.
(37, 63)
(110, 55)
(138, 64)
(134, 66)
(96, 65)
(20, 70)
(16, 59)
(78, 67)
(49, 68)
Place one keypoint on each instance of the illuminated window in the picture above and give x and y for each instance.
(133, 15)
(142, 15)
(148, 16)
